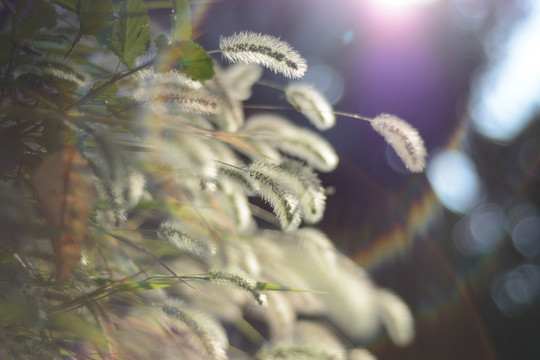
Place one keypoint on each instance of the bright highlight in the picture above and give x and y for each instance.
(399, 4)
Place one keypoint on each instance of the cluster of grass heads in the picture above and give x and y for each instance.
(128, 173)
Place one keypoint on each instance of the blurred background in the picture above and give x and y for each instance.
(461, 242)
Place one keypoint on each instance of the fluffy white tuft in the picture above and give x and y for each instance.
(265, 50)
(293, 140)
(312, 104)
(174, 233)
(404, 138)
(361, 354)
(240, 280)
(203, 332)
(396, 317)
(273, 189)
(239, 79)
(61, 68)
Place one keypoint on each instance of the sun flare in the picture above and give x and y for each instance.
(395, 5)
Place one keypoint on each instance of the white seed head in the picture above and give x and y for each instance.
(61, 68)
(240, 280)
(404, 138)
(312, 104)
(293, 140)
(396, 317)
(268, 51)
(239, 79)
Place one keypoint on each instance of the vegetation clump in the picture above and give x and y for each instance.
(128, 172)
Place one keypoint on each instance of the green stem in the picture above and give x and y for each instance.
(146, 251)
(270, 85)
(117, 67)
(74, 44)
(286, 108)
(249, 331)
(351, 115)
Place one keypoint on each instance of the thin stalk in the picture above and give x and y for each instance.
(270, 85)
(286, 108)
(92, 94)
(269, 107)
(249, 331)
(233, 166)
(92, 296)
(264, 215)
(148, 252)
(351, 115)
(117, 67)
(8, 7)
(78, 38)
(278, 87)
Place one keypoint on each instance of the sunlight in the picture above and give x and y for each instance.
(394, 5)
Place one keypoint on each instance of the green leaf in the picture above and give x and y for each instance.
(130, 37)
(188, 58)
(263, 286)
(105, 95)
(70, 5)
(93, 15)
(181, 21)
(162, 43)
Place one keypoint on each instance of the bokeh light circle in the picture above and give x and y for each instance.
(454, 179)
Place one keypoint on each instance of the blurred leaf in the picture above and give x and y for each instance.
(66, 191)
(54, 134)
(80, 327)
(93, 15)
(110, 288)
(162, 43)
(263, 286)
(124, 107)
(70, 5)
(189, 58)
(33, 17)
(181, 21)
(130, 37)
(105, 95)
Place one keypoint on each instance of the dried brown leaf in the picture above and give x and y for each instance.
(66, 191)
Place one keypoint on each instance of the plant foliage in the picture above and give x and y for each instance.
(133, 188)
